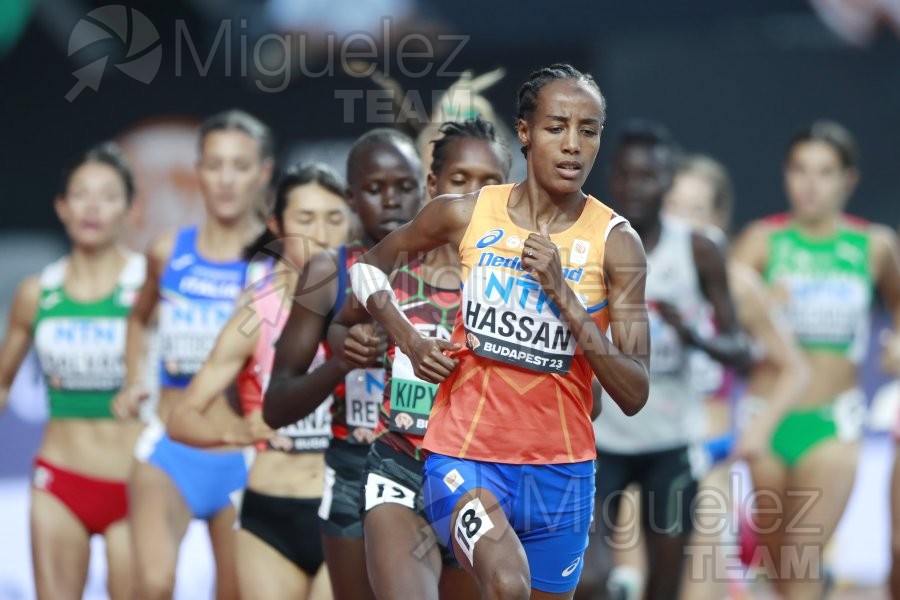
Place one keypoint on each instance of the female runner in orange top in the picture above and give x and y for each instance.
(509, 477)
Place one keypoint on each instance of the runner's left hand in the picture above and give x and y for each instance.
(364, 346)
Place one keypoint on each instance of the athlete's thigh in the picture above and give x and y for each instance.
(60, 548)
(346, 559)
(766, 506)
(222, 535)
(462, 501)
(401, 563)
(485, 543)
(159, 518)
(712, 541)
(320, 588)
(119, 560)
(456, 582)
(818, 491)
(263, 572)
(553, 513)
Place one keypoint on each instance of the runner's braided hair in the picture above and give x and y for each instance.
(474, 129)
(528, 93)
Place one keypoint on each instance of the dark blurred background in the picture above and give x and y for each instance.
(733, 79)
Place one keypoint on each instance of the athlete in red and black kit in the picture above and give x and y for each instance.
(467, 157)
(385, 189)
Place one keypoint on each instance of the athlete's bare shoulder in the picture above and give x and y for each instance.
(317, 286)
(758, 231)
(624, 246)
(458, 207)
(883, 241)
(25, 301)
(448, 216)
(881, 235)
(751, 247)
(324, 263)
(160, 250)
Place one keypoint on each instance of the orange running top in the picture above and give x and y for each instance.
(522, 391)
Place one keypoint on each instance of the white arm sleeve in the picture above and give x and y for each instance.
(365, 280)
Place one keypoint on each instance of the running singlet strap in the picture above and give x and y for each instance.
(521, 393)
(357, 400)
(81, 345)
(310, 434)
(408, 399)
(823, 287)
(197, 298)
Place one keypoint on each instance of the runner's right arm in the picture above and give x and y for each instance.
(126, 403)
(294, 392)
(188, 423)
(441, 221)
(18, 334)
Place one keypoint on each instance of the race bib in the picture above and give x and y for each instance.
(411, 398)
(310, 434)
(510, 319)
(364, 392)
(188, 332)
(82, 353)
(826, 310)
(472, 523)
(381, 490)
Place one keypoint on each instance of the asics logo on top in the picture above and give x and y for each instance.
(490, 238)
(51, 300)
(182, 262)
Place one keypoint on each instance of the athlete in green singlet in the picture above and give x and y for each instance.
(821, 267)
(74, 313)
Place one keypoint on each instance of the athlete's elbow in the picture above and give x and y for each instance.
(636, 398)
(634, 405)
(271, 413)
(272, 417)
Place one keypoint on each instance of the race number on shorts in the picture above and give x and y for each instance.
(381, 490)
(472, 523)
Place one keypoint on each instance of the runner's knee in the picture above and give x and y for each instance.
(508, 584)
